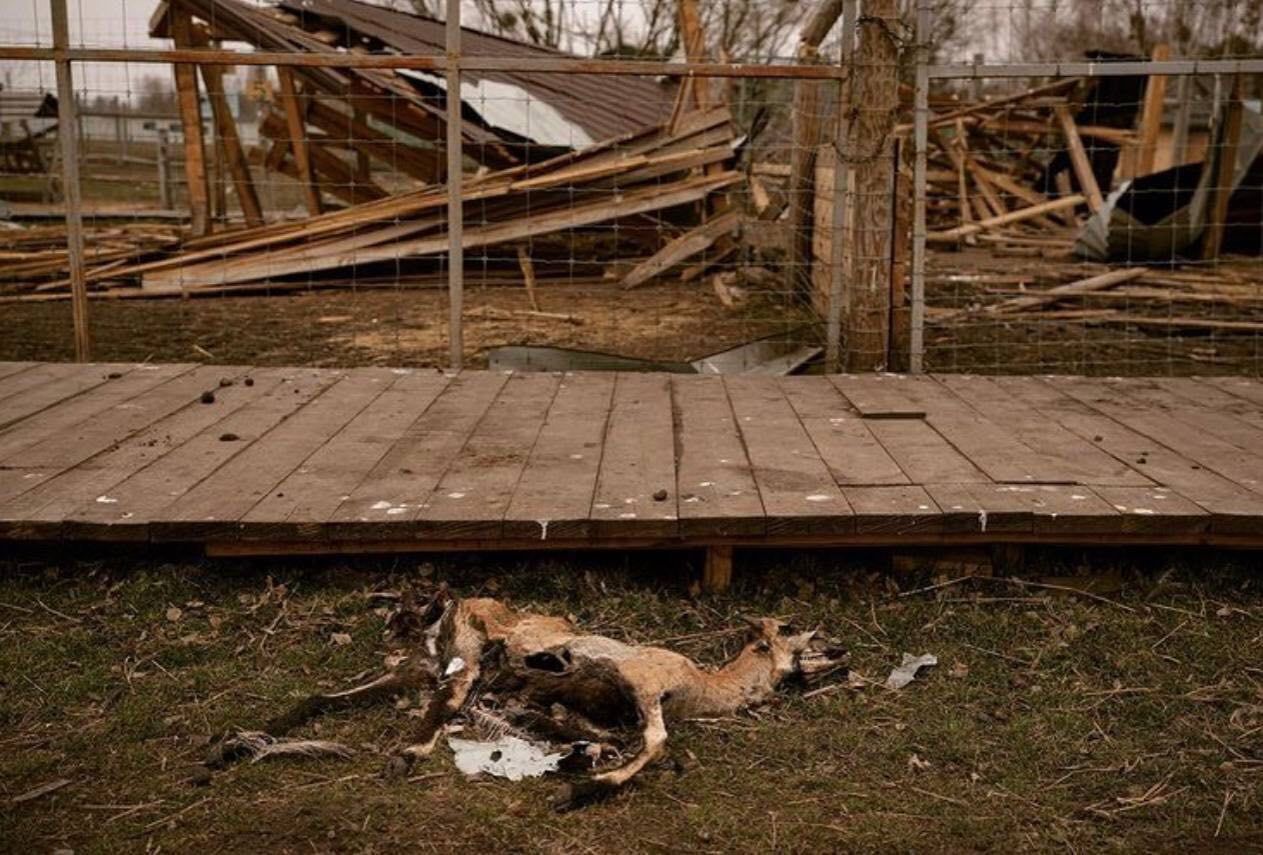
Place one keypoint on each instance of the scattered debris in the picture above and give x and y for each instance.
(41, 791)
(508, 757)
(907, 671)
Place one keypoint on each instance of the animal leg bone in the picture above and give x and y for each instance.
(655, 741)
(231, 747)
(447, 701)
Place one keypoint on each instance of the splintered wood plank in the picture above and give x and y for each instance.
(797, 489)
(471, 498)
(409, 471)
(216, 504)
(127, 509)
(1038, 508)
(1155, 510)
(41, 461)
(845, 442)
(878, 396)
(894, 510)
(1199, 392)
(1051, 440)
(554, 496)
(310, 495)
(40, 512)
(87, 404)
(1225, 426)
(923, 454)
(638, 462)
(1192, 441)
(8, 369)
(990, 447)
(30, 392)
(1234, 509)
(718, 495)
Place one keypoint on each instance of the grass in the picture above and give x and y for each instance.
(1130, 719)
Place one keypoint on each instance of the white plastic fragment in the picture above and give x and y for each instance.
(454, 667)
(508, 757)
(907, 670)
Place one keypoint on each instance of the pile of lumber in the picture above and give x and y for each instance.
(1018, 170)
(638, 194)
(34, 260)
(1171, 301)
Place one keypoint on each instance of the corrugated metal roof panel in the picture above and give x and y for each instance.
(605, 106)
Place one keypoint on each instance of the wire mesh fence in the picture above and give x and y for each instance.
(940, 185)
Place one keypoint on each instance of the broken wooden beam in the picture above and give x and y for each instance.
(1018, 216)
(681, 248)
(1079, 159)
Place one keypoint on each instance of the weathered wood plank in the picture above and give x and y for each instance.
(1073, 454)
(1199, 392)
(407, 474)
(30, 392)
(1194, 442)
(8, 369)
(40, 512)
(1155, 510)
(309, 496)
(126, 511)
(1245, 433)
(87, 404)
(878, 396)
(1036, 508)
(993, 449)
(1234, 509)
(215, 505)
(797, 489)
(77, 444)
(554, 496)
(845, 442)
(718, 495)
(471, 498)
(1241, 387)
(894, 510)
(924, 455)
(636, 490)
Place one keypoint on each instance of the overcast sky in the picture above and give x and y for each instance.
(93, 23)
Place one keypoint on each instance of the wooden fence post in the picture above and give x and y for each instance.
(67, 133)
(807, 125)
(875, 101)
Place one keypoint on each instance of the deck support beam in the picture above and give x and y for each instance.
(717, 571)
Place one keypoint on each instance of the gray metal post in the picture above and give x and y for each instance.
(68, 136)
(455, 209)
(920, 141)
(841, 177)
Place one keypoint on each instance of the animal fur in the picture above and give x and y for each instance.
(549, 678)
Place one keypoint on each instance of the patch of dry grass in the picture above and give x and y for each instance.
(1130, 720)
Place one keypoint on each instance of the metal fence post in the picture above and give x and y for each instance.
(455, 208)
(921, 133)
(68, 136)
(841, 178)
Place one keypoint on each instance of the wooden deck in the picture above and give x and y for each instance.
(321, 460)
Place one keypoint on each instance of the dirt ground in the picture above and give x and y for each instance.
(1124, 718)
(393, 327)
